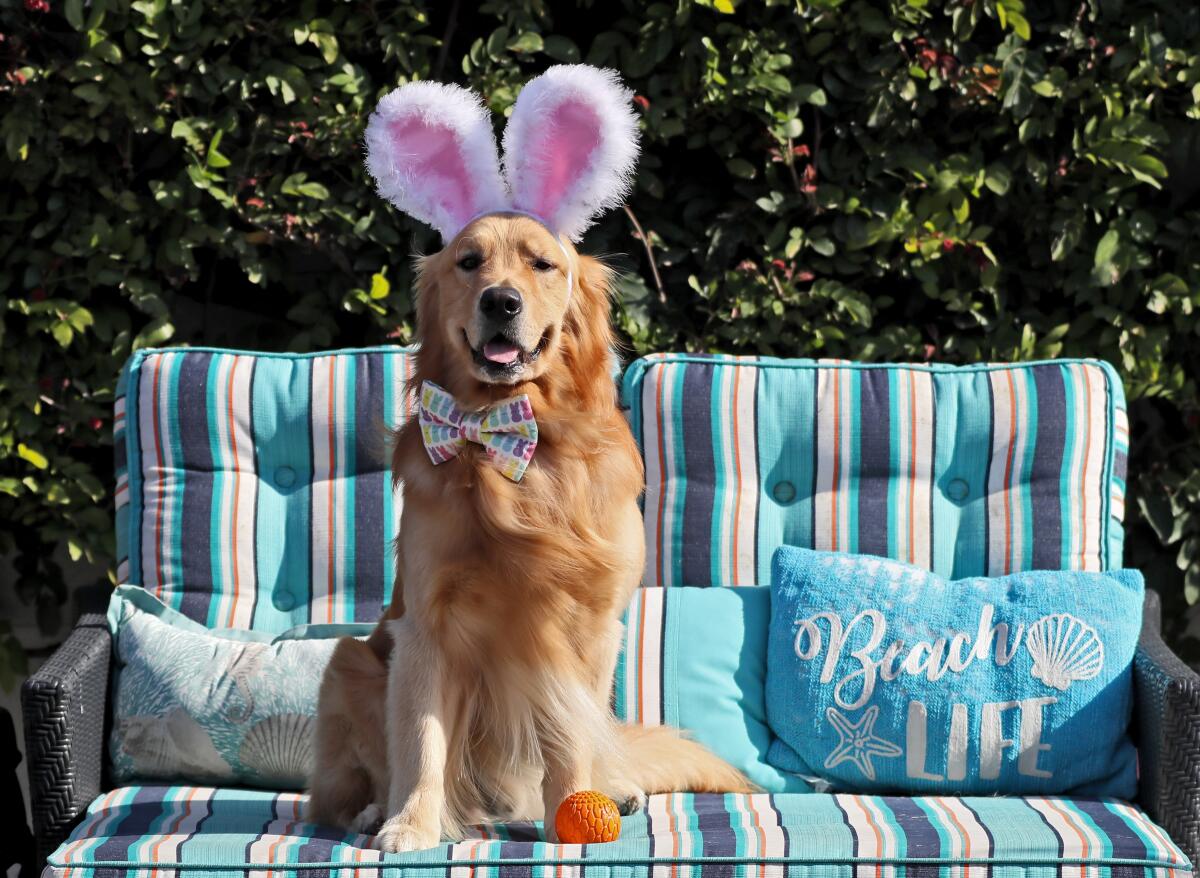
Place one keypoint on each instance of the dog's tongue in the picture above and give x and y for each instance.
(503, 352)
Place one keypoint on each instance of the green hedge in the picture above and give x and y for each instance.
(959, 181)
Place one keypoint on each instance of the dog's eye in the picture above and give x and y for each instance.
(470, 262)
(542, 265)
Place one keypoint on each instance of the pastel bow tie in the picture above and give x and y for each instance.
(506, 430)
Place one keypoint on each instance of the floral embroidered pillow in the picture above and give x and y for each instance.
(884, 677)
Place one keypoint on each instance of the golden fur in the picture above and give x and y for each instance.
(484, 691)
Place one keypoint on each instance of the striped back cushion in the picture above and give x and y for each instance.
(254, 490)
(967, 471)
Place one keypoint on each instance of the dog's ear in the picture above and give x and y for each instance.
(570, 146)
(432, 152)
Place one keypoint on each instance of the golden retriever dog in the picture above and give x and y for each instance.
(483, 693)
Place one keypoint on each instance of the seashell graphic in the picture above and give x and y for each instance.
(277, 751)
(1064, 649)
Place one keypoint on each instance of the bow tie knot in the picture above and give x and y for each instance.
(506, 430)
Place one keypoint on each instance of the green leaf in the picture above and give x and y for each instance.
(34, 457)
(739, 167)
(526, 43)
(811, 94)
(997, 178)
(73, 12)
(379, 286)
(561, 49)
(725, 6)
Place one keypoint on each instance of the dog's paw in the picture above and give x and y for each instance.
(631, 803)
(397, 836)
(368, 819)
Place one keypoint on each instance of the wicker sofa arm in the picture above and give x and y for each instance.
(63, 705)
(1167, 716)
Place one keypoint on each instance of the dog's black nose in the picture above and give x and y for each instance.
(500, 303)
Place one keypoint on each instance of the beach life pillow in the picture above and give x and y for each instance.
(218, 706)
(884, 677)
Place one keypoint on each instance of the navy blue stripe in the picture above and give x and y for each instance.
(920, 835)
(141, 812)
(195, 442)
(875, 459)
(1126, 843)
(699, 485)
(370, 460)
(1046, 475)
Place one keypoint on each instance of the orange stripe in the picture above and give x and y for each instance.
(237, 479)
(1012, 438)
(674, 834)
(758, 831)
(158, 514)
(641, 653)
(912, 469)
(662, 473)
(332, 464)
(737, 483)
(1087, 449)
(837, 448)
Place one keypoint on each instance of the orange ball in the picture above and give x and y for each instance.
(587, 817)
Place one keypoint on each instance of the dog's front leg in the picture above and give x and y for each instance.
(419, 727)
(569, 746)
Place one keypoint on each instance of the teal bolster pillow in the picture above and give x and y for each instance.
(696, 659)
(213, 705)
(884, 677)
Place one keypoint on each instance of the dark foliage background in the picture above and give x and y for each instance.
(905, 180)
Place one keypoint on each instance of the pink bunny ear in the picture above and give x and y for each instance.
(570, 146)
(432, 152)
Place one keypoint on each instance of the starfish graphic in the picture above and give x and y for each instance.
(858, 741)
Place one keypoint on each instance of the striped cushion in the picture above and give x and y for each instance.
(679, 835)
(254, 490)
(967, 471)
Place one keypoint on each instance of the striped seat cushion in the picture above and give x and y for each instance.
(254, 490)
(967, 471)
(133, 829)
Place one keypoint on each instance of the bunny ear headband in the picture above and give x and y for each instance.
(569, 151)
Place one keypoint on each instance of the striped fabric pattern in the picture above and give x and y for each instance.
(134, 829)
(254, 490)
(967, 471)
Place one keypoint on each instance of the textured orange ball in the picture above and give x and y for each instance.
(587, 817)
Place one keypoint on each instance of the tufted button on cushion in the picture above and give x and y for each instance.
(285, 476)
(958, 490)
(784, 493)
(284, 601)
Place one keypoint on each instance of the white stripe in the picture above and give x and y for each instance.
(246, 489)
(923, 457)
(891, 847)
(724, 381)
(322, 504)
(747, 498)
(998, 506)
(902, 433)
(976, 835)
(1098, 420)
(341, 513)
(824, 527)
(1069, 838)
(650, 672)
(1020, 490)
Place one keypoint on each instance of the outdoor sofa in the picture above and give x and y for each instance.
(742, 455)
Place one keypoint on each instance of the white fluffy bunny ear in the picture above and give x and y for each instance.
(432, 152)
(570, 146)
